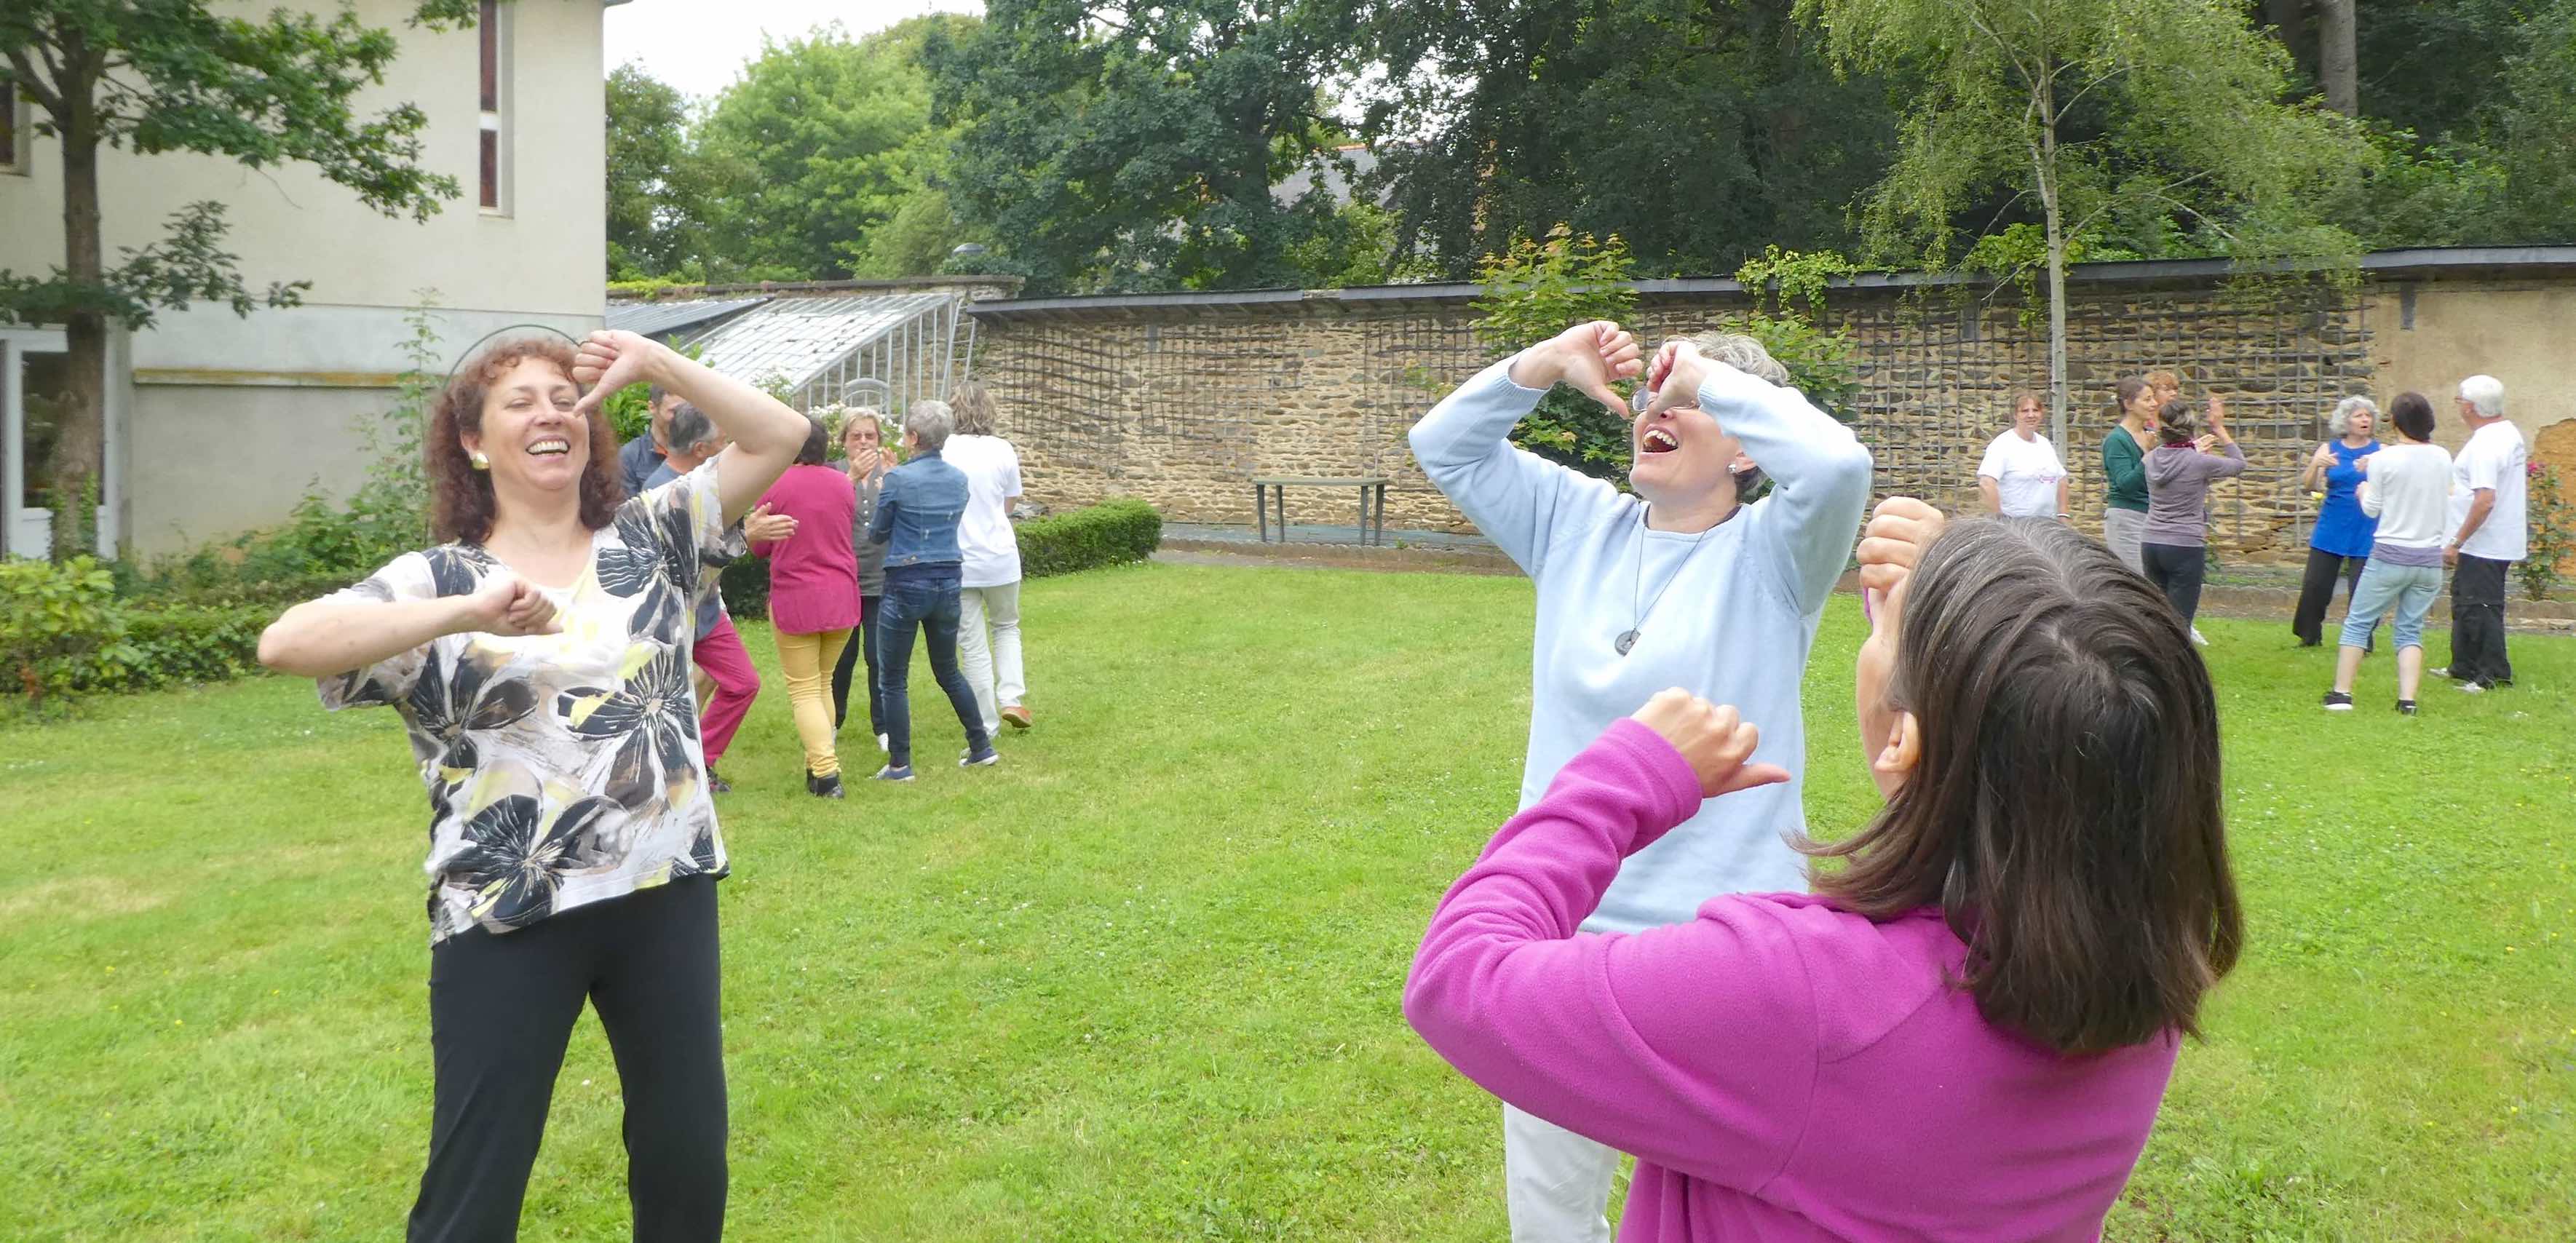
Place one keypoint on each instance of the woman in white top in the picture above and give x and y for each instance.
(990, 584)
(2021, 475)
(2407, 487)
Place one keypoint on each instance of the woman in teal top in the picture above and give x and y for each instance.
(2124, 466)
(2340, 544)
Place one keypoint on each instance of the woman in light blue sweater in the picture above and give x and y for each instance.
(1676, 585)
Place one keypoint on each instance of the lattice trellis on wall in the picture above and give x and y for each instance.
(1059, 384)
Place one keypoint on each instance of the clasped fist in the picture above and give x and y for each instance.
(1717, 741)
(609, 361)
(510, 606)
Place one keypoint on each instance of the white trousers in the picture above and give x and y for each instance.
(1556, 1184)
(992, 666)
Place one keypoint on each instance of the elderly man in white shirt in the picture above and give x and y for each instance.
(2489, 533)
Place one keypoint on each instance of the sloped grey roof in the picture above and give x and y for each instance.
(796, 339)
(653, 319)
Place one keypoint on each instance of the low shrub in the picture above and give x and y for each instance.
(185, 644)
(61, 628)
(1113, 532)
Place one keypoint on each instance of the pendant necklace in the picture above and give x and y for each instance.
(1636, 583)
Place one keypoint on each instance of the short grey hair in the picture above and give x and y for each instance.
(2484, 392)
(930, 423)
(690, 428)
(1742, 353)
(2340, 422)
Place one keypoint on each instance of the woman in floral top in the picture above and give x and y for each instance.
(540, 662)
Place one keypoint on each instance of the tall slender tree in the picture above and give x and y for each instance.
(2074, 109)
(155, 76)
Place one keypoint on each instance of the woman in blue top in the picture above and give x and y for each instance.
(2341, 542)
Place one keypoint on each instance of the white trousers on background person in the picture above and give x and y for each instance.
(1556, 1184)
(992, 666)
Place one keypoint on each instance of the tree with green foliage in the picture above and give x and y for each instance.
(1114, 147)
(2089, 113)
(158, 76)
(1698, 130)
(1535, 289)
(823, 160)
(653, 193)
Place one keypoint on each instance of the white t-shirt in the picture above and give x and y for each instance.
(984, 535)
(2407, 489)
(2025, 474)
(2495, 457)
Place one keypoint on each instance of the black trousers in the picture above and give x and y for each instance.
(851, 655)
(2316, 591)
(501, 1008)
(2477, 621)
(2176, 571)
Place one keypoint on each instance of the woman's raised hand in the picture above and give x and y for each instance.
(1716, 740)
(1588, 356)
(609, 361)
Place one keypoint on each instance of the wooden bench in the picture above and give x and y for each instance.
(1372, 502)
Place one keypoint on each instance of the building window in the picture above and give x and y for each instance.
(13, 127)
(494, 138)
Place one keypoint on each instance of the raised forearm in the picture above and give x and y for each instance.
(322, 637)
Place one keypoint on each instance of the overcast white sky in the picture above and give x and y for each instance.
(699, 45)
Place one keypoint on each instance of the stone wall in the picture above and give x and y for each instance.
(1182, 400)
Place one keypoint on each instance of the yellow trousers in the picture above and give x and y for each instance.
(807, 660)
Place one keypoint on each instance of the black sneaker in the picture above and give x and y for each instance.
(823, 787)
(2405, 707)
(2337, 701)
(716, 784)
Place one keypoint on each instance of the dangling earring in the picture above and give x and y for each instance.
(476, 457)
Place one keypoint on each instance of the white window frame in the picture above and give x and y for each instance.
(496, 119)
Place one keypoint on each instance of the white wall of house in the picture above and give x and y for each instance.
(224, 421)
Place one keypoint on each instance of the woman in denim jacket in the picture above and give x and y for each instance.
(917, 516)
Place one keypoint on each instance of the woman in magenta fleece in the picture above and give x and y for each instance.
(1961, 1034)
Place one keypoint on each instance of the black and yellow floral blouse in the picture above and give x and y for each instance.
(563, 769)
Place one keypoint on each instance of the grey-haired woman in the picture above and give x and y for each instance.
(2340, 543)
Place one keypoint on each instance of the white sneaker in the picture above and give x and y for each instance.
(2473, 688)
(2198, 637)
(2444, 672)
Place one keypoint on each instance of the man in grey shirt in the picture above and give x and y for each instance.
(2175, 548)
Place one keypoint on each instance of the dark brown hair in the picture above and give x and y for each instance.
(461, 498)
(2066, 811)
(818, 443)
(2412, 412)
(2174, 424)
(2128, 391)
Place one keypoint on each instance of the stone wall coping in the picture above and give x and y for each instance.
(659, 293)
(2419, 262)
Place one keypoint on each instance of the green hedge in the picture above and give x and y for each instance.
(1113, 532)
(191, 643)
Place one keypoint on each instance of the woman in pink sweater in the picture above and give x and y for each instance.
(813, 597)
(1961, 1034)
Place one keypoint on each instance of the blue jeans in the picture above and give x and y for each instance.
(2384, 585)
(923, 596)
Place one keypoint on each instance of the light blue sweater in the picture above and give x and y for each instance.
(1734, 627)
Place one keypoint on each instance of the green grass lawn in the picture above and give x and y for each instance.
(1141, 981)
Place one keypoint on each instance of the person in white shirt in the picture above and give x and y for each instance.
(2488, 494)
(2406, 487)
(2021, 476)
(991, 581)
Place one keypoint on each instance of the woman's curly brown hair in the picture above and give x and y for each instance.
(461, 496)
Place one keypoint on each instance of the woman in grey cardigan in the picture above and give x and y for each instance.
(2179, 472)
(865, 459)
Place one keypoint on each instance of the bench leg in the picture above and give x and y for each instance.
(1261, 510)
